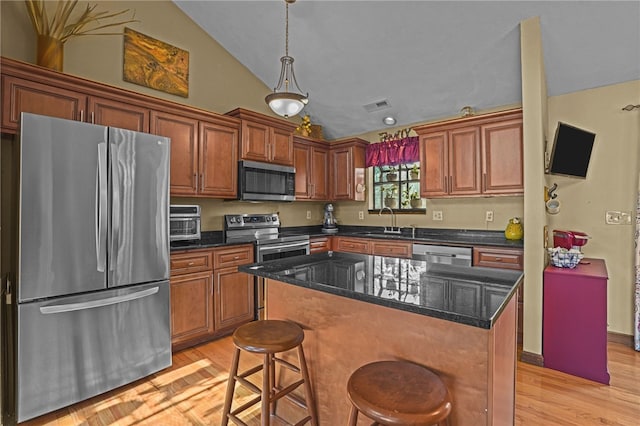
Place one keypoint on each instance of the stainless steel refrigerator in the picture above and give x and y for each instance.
(92, 294)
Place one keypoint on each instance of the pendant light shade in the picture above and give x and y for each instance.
(282, 101)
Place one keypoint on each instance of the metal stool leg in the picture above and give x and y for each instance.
(231, 384)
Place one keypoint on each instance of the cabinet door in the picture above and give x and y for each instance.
(234, 298)
(319, 174)
(502, 158)
(342, 174)
(389, 248)
(434, 165)
(191, 308)
(118, 114)
(464, 298)
(218, 160)
(183, 132)
(434, 293)
(255, 141)
(351, 245)
(302, 163)
(464, 161)
(28, 96)
(319, 245)
(281, 149)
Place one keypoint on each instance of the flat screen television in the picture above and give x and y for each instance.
(571, 151)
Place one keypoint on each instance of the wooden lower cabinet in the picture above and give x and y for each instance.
(234, 298)
(391, 248)
(504, 258)
(191, 309)
(319, 244)
(209, 297)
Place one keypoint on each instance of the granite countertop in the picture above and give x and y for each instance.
(462, 237)
(468, 295)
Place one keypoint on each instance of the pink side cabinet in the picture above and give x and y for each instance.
(574, 338)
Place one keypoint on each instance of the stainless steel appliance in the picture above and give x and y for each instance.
(266, 182)
(329, 221)
(443, 254)
(184, 222)
(264, 231)
(91, 307)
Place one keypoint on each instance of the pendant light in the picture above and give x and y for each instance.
(282, 101)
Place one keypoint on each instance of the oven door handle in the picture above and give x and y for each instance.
(278, 248)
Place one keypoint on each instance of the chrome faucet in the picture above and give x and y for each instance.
(393, 229)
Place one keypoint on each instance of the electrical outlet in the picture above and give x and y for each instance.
(612, 218)
(437, 215)
(308, 214)
(361, 215)
(488, 216)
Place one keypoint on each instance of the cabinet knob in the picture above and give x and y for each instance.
(498, 259)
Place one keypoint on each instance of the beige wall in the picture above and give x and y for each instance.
(611, 184)
(217, 81)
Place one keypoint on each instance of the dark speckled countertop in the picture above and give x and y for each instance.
(461, 237)
(468, 295)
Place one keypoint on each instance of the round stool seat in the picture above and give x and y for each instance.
(268, 336)
(399, 393)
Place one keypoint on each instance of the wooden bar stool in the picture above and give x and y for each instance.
(269, 337)
(398, 393)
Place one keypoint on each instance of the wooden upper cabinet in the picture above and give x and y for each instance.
(256, 141)
(20, 95)
(503, 158)
(434, 164)
(472, 156)
(264, 138)
(311, 160)
(281, 150)
(347, 160)
(183, 131)
(464, 161)
(218, 160)
(112, 113)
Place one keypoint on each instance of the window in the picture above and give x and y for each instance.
(397, 187)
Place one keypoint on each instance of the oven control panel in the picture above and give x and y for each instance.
(239, 221)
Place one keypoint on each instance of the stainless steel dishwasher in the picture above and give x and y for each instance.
(442, 254)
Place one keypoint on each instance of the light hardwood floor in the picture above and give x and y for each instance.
(191, 392)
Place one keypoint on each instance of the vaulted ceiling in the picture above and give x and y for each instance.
(426, 59)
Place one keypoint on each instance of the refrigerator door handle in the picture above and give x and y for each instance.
(115, 205)
(56, 309)
(101, 207)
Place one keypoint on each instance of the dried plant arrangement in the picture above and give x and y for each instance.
(59, 26)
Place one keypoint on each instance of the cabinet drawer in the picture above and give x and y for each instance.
(395, 249)
(191, 261)
(352, 245)
(498, 258)
(319, 245)
(232, 256)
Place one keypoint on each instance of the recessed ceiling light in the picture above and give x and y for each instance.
(389, 121)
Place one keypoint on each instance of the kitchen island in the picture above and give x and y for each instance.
(458, 321)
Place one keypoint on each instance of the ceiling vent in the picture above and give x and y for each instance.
(377, 106)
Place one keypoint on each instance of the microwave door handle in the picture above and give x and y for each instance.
(101, 207)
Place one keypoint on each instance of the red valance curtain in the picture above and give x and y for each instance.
(392, 153)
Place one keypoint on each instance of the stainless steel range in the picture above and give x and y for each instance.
(270, 243)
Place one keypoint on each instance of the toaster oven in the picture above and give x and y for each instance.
(184, 222)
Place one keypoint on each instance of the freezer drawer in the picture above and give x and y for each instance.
(73, 348)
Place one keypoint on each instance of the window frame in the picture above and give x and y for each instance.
(403, 180)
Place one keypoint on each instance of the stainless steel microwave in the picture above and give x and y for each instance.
(184, 222)
(266, 182)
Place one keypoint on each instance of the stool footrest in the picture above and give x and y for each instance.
(294, 399)
(303, 421)
(236, 420)
(246, 405)
(244, 382)
(287, 364)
